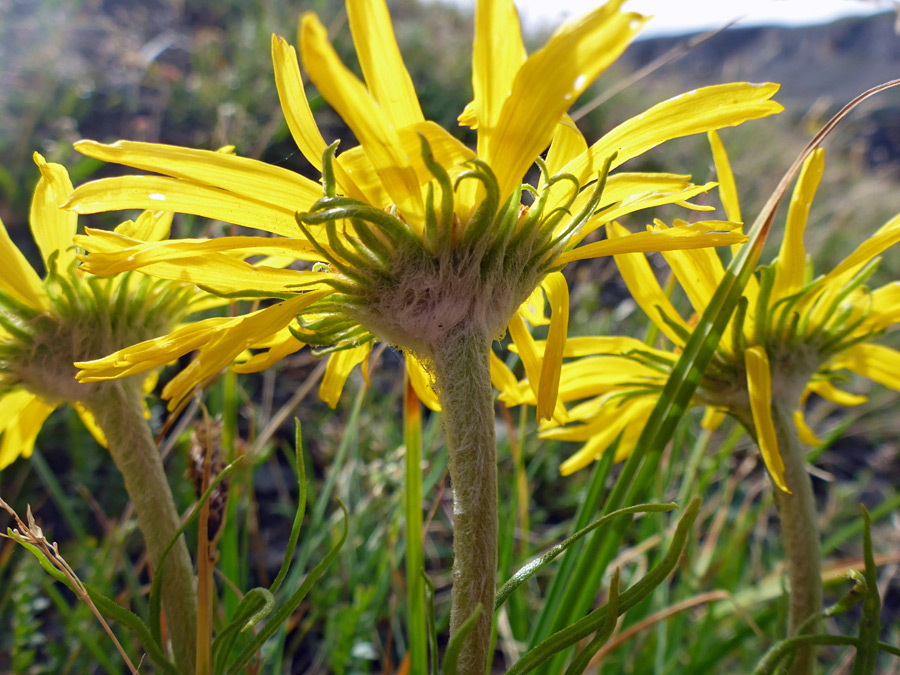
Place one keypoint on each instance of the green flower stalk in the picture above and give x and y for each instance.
(46, 325)
(793, 334)
(418, 240)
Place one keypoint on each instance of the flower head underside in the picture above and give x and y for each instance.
(793, 334)
(419, 234)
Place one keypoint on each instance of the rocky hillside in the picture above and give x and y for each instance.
(820, 68)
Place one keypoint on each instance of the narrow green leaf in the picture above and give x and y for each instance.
(870, 621)
(105, 606)
(449, 666)
(156, 586)
(572, 634)
(284, 612)
(301, 509)
(526, 571)
(583, 659)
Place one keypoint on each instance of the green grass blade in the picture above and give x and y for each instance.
(431, 624)
(562, 640)
(415, 559)
(586, 509)
(550, 554)
(583, 659)
(301, 509)
(870, 621)
(284, 612)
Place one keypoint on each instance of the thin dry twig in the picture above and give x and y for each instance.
(32, 533)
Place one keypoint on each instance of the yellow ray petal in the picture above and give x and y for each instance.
(702, 234)
(616, 420)
(382, 65)
(725, 177)
(19, 278)
(112, 253)
(294, 103)
(886, 236)
(548, 83)
(497, 54)
(153, 353)
(534, 309)
(551, 364)
(340, 365)
(222, 274)
(602, 375)
(712, 418)
(610, 344)
(698, 271)
(299, 117)
(804, 433)
(791, 265)
(877, 362)
(448, 151)
(645, 289)
(257, 181)
(87, 418)
(829, 392)
(722, 105)
(22, 414)
(150, 226)
(371, 125)
(52, 227)
(635, 202)
(885, 307)
(173, 194)
(532, 363)
(567, 144)
(224, 345)
(759, 387)
(503, 379)
(284, 345)
(421, 383)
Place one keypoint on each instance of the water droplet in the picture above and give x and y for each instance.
(157, 197)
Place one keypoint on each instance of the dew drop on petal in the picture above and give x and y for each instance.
(580, 82)
(157, 197)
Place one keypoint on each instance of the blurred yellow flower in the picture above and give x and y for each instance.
(419, 232)
(792, 335)
(47, 324)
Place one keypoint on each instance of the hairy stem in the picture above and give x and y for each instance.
(461, 364)
(116, 406)
(799, 537)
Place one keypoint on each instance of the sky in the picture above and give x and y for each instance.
(672, 17)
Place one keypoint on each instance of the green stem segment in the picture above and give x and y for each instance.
(799, 537)
(461, 367)
(116, 407)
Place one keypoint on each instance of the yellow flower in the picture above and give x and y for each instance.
(47, 324)
(792, 335)
(420, 233)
